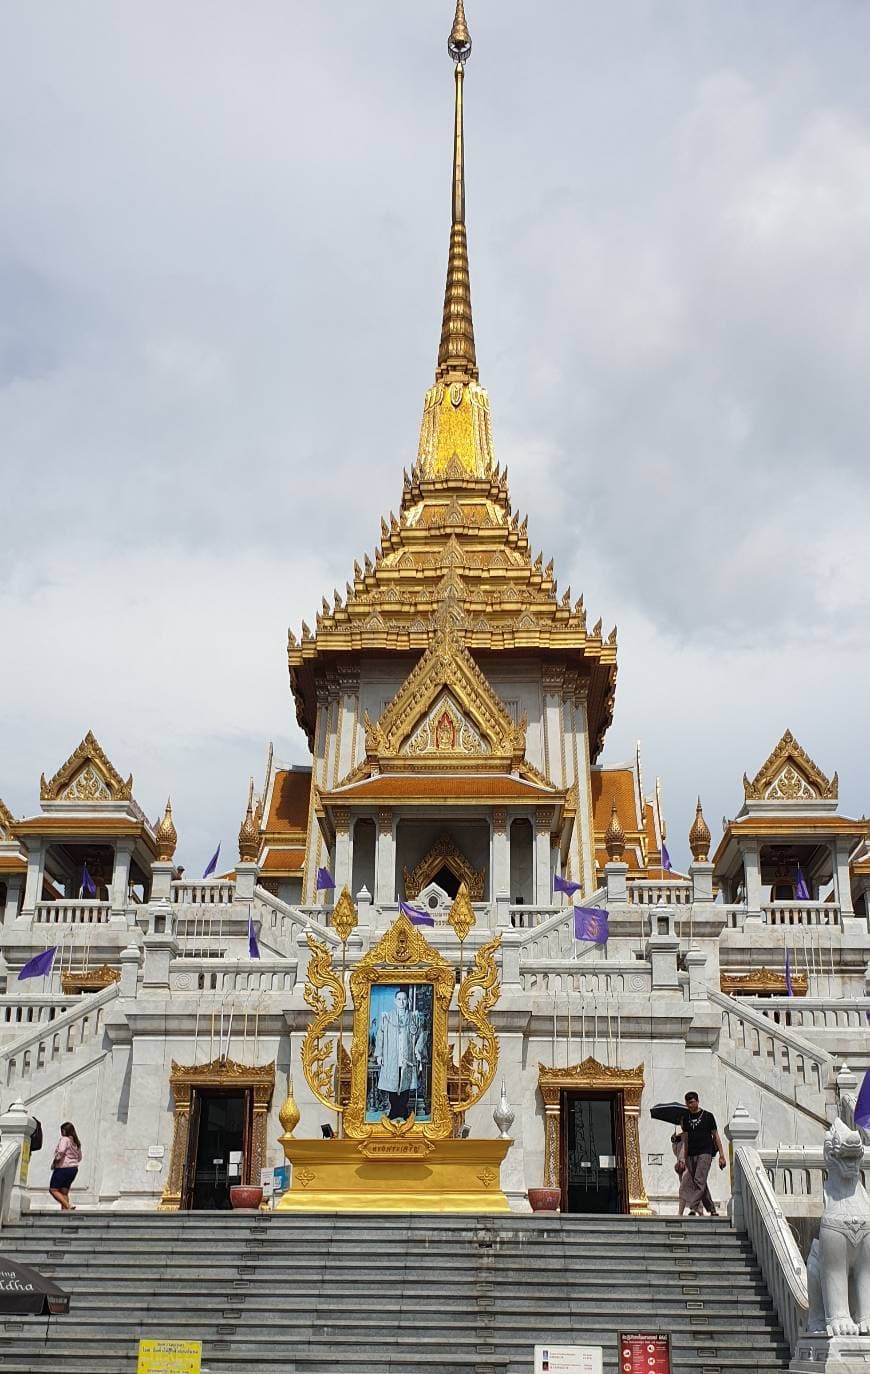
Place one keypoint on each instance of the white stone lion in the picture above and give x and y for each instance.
(838, 1269)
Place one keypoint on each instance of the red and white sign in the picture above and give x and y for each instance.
(644, 1352)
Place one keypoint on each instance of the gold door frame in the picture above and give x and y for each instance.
(590, 1076)
(220, 1073)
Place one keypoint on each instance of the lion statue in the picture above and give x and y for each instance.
(838, 1269)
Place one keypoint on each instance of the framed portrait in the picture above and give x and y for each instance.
(399, 1080)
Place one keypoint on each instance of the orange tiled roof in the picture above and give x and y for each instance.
(611, 785)
(288, 809)
(283, 861)
(423, 788)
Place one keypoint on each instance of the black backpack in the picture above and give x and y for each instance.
(36, 1138)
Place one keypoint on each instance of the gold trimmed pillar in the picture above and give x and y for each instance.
(591, 1076)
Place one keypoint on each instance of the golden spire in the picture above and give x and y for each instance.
(614, 836)
(166, 836)
(249, 837)
(700, 837)
(457, 361)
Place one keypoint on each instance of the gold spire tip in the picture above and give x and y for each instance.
(459, 42)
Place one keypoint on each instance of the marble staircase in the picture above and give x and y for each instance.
(271, 1294)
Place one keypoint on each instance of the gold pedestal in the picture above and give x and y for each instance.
(395, 1175)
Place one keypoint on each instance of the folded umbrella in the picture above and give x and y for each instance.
(23, 1290)
(672, 1112)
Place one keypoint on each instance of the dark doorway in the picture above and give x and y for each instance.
(447, 881)
(593, 1153)
(220, 1145)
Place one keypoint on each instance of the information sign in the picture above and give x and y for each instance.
(568, 1359)
(644, 1352)
(169, 1357)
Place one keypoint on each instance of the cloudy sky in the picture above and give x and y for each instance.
(223, 234)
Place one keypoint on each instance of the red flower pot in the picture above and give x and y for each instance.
(545, 1199)
(245, 1197)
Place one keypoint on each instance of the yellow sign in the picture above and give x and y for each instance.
(169, 1357)
(25, 1160)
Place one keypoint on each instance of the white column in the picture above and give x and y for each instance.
(35, 874)
(385, 859)
(552, 684)
(842, 881)
(17, 1125)
(500, 867)
(13, 892)
(121, 879)
(543, 890)
(343, 853)
(752, 876)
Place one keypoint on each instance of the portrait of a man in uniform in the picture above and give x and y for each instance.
(400, 1065)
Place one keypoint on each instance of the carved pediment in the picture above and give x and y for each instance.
(88, 775)
(789, 774)
(445, 729)
(444, 854)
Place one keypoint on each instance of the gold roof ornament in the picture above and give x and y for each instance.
(343, 918)
(249, 835)
(614, 836)
(88, 775)
(289, 1115)
(166, 835)
(459, 42)
(461, 915)
(789, 774)
(700, 837)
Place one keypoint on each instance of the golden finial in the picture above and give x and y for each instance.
(614, 836)
(289, 1114)
(700, 837)
(459, 42)
(457, 360)
(249, 838)
(344, 917)
(166, 836)
(461, 915)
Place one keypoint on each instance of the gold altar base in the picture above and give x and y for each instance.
(361, 1176)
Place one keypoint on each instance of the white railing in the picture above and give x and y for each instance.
(647, 892)
(735, 915)
(64, 913)
(10, 1153)
(529, 917)
(758, 1211)
(29, 1054)
(32, 1011)
(232, 975)
(800, 913)
(792, 1061)
(799, 1172)
(815, 1013)
(203, 934)
(553, 938)
(629, 979)
(287, 922)
(207, 892)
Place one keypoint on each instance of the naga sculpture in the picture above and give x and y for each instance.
(838, 1269)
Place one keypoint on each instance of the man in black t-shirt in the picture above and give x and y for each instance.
(700, 1140)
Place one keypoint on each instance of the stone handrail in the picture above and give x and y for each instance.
(800, 913)
(757, 1211)
(232, 975)
(529, 917)
(206, 892)
(648, 892)
(554, 937)
(33, 1011)
(735, 914)
(787, 1053)
(799, 1171)
(46, 1044)
(10, 1154)
(819, 1013)
(289, 921)
(610, 979)
(66, 913)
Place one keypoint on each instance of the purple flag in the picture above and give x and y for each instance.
(801, 891)
(862, 1104)
(325, 881)
(666, 859)
(212, 863)
(40, 965)
(89, 887)
(416, 915)
(789, 990)
(253, 947)
(563, 885)
(590, 923)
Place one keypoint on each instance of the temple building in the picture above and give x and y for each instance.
(456, 703)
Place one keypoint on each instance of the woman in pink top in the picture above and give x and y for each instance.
(65, 1165)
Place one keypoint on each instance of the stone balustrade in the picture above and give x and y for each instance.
(530, 917)
(797, 1172)
(646, 892)
(207, 892)
(19, 1012)
(232, 975)
(288, 923)
(69, 913)
(816, 1013)
(46, 1044)
(632, 979)
(791, 1059)
(757, 1211)
(10, 1155)
(800, 913)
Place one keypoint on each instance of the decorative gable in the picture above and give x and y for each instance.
(87, 776)
(790, 775)
(445, 730)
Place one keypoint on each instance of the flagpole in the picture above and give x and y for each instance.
(196, 1036)
(553, 1056)
(568, 1042)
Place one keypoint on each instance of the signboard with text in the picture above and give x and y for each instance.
(568, 1359)
(169, 1357)
(644, 1352)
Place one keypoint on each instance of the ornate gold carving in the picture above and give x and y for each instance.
(461, 914)
(344, 918)
(89, 980)
(445, 730)
(761, 982)
(306, 1176)
(220, 1073)
(699, 836)
(499, 818)
(614, 836)
(325, 995)
(478, 994)
(87, 775)
(789, 774)
(595, 1077)
(444, 854)
(341, 817)
(167, 836)
(385, 820)
(289, 1115)
(249, 834)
